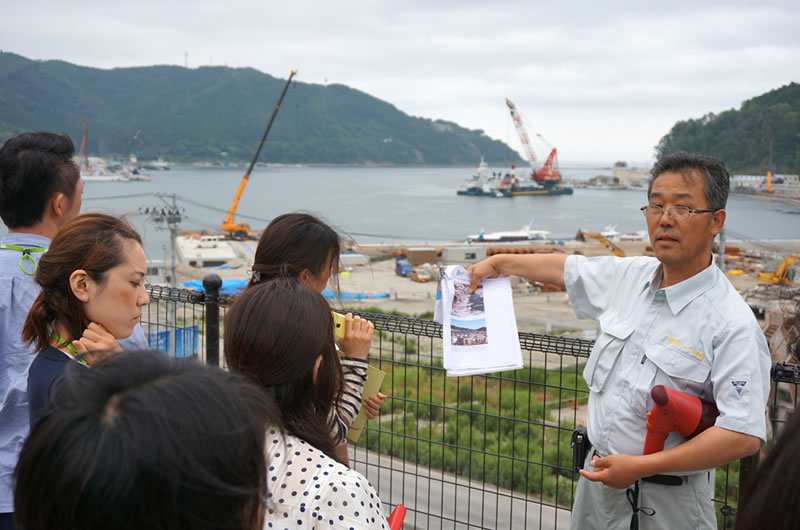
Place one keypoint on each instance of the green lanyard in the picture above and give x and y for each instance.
(55, 336)
(26, 255)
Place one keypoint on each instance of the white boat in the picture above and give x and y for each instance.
(523, 234)
(158, 165)
(610, 233)
(95, 169)
(640, 235)
(109, 177)
(482, 183)
(134, 173)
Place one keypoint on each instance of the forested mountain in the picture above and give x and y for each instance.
(219, 113)
(742, 137)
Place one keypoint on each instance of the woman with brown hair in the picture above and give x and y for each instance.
(301, 246)
(280, 334)
(92, 280)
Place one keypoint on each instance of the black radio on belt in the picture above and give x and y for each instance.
(580, 446)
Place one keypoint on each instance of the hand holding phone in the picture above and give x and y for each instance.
(356, 337)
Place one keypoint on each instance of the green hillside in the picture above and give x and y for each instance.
(219, 113)
(741, 137)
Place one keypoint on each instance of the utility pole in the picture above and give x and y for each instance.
(168, 216)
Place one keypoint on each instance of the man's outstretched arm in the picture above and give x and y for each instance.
(712, 448)
(545, 268)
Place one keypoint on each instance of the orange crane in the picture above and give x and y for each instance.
(581, 236)
(229, 225)
(548, 174)
(768, 188)
(550, 171)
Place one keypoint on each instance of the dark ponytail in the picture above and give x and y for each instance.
(293, 242)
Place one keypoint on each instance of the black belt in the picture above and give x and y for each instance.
(664, 480)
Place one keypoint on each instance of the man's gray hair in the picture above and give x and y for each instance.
(716, 180)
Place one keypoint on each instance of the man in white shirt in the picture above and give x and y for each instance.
(40, 190)
(673, 320)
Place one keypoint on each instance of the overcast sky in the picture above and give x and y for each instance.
(603, 81)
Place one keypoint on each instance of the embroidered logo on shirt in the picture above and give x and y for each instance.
(738, 386)
(687, 348)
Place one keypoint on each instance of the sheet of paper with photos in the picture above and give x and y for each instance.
(479, 329)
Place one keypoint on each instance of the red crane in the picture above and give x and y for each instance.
(548, 174)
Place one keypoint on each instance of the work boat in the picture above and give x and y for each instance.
(482, 184)
(486, 184)
(523, 234)
(544, 178)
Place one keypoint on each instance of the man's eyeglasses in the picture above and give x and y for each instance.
(677, 213)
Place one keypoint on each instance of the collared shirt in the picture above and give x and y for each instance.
(697, 336)
(17, 293)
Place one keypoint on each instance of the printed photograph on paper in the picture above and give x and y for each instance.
(468, 333)
(467, 305)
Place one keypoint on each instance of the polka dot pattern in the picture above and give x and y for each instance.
(324, 495)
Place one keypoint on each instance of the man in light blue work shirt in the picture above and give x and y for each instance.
(40, 190)
(673, 320)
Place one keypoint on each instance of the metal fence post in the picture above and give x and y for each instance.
(212, 283)
(747, 467)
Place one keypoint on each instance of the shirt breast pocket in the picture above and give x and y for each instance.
(678, 369)
(606, 350)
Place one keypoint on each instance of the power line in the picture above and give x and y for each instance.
(262, 219)
(110, 197)
(221, 210)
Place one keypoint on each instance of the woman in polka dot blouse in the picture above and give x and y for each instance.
(303, 247)
(280, 333)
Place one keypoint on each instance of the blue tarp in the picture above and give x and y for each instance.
(185, 341)
(236, 286)
(228, 286)
(327, 293)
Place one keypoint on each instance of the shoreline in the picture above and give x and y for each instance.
(538, 312)
(787, 199)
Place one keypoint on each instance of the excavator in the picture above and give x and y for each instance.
(783, 274)
(229, 225)
(581, 236)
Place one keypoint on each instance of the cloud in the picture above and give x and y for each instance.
(602, 81)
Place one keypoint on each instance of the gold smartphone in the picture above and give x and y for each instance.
(338, 324)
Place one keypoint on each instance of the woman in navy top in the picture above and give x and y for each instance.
(92, 280)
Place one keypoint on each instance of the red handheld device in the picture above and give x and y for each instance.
(676, 411)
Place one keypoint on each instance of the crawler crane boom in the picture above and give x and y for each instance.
(229, 225)
(523, 134)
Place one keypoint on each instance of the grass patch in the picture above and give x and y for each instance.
(490, 428)
(503, 429)
(425, 315)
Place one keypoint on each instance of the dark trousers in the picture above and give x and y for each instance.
(6, 521)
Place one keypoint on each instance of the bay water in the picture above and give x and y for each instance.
(398, 204)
